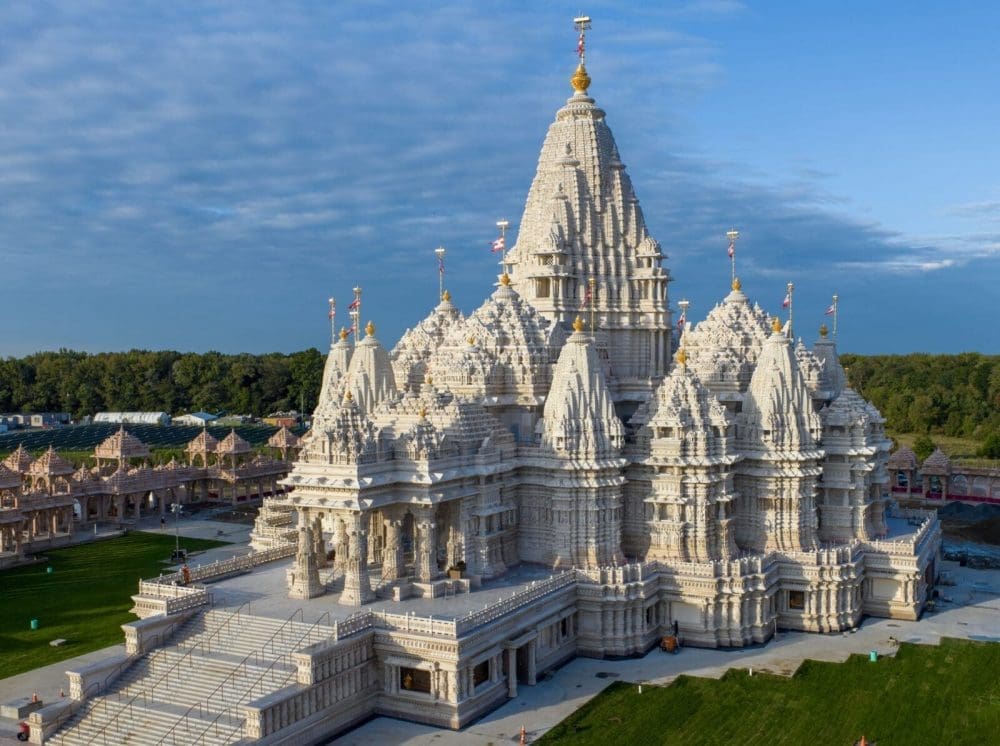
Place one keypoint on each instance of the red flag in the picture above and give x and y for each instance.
(440, 265)
(732, 249)
(586, 298)
(681, 322)
(580, 45)
(499, 245)
(356, 303)
(331, 314)
(787, 301)
(831, 310)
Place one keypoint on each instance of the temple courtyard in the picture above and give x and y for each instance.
(969, 609)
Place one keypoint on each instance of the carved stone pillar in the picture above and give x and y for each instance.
(340, 545)
(303, 577)
(392, 556)
(319, 544)
(357, 587)
(427, 552)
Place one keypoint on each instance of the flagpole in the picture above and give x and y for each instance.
(439, 253)
(333, 319)
(356, 312)
(791, 289)
(733, 235)
(503, 225)
(835, 299)
(592, 282)
(683, 305)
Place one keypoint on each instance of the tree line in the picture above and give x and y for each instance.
(141, 380)
(957, 395)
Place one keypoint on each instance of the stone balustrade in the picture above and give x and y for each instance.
(514, 603)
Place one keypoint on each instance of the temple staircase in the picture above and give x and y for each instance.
(191, 691)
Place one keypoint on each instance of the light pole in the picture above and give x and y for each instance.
(175, 508)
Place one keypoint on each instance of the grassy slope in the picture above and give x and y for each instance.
(947, 694)
(84, 601)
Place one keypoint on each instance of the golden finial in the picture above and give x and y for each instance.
(823, 331)
(348, 396)
(580, 80)
(682, 357)
(737, 285)
(446, 295)
(370, 329)
(578, 324)
(505, 279)
(428, 379)
(471, 340)
(775, 324)
(423, 413)
(343, 332)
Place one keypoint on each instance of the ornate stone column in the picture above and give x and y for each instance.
(427, 551)
(357, 587)
(303, 577)
(392, 556)
(319, 544)
(340, 545)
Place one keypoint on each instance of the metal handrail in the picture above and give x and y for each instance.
(103, 730)
(249, 689)
(241, 665)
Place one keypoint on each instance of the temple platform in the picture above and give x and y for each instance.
(267, 591)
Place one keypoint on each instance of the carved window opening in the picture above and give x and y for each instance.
(796, 599)
(480, 673)
(415, 680)
(542, 287)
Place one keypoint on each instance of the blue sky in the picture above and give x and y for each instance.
(195, 175)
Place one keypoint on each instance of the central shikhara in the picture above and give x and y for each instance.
(729, 489)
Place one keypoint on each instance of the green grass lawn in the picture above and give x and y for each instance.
(924, 695)
(85, 600)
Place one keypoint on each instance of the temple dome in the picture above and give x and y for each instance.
(370, 379)
(685, 420)
(833, 379)
(778, 415)
(723, 348)
(338, 361)
(579, 419)
(904, 459)
(412, 353)
(505, 348)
